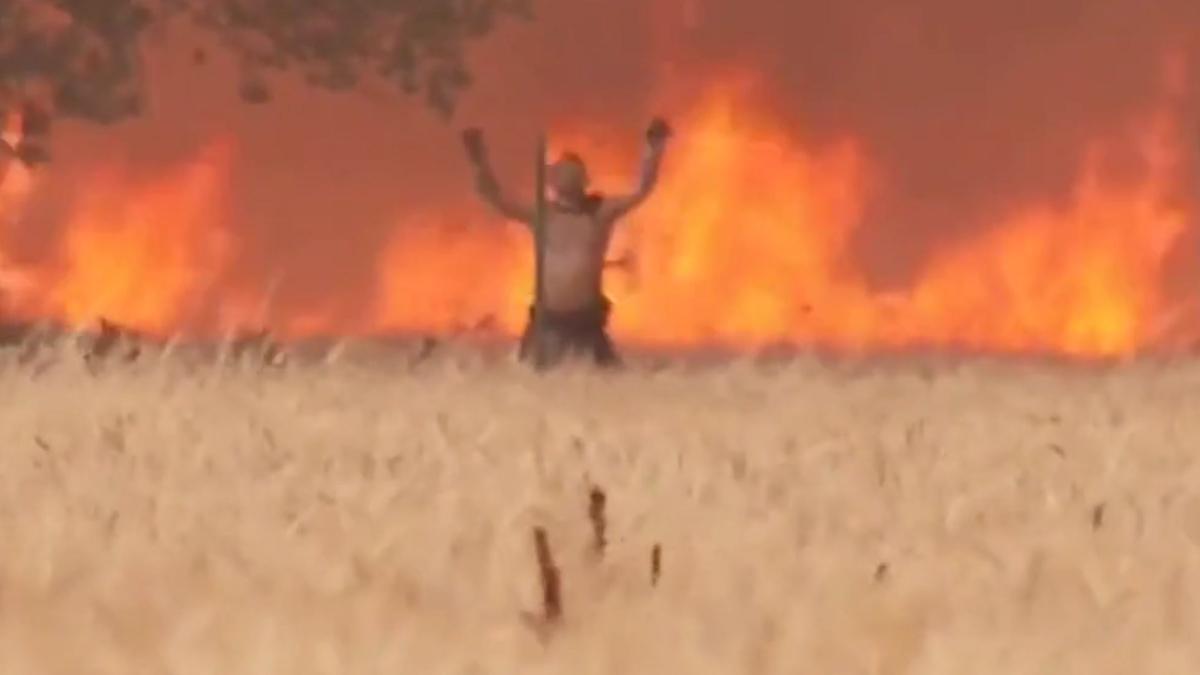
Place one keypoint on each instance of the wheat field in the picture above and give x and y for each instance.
(372, 515)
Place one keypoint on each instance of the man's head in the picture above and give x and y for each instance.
(568, 177)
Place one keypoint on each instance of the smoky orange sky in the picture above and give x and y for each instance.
(919, 128)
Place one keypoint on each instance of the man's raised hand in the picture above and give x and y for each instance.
(659, 132)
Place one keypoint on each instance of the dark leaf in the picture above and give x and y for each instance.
(32, 154)
(35, 120)
(254, 91)
(91, 65)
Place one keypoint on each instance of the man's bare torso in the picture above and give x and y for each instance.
(576, 245)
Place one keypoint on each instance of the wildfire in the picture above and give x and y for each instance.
(140, 254)
(1084, 280)
(16, 182)
(440, 275)
(747, 242)
(746, 237)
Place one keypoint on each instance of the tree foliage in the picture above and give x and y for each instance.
(83, 58)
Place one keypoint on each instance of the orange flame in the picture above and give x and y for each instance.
(436, 276)
(1083, 281)
(16, 184)
(744, 236)
(139, 253)
(747, 242)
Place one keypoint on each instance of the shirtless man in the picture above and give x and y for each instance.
(578, 227)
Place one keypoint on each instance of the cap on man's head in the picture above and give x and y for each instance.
(569, 156)
(569, 169)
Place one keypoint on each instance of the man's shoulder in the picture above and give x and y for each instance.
(593, 203)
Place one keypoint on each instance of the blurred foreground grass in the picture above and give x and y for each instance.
(368, 517)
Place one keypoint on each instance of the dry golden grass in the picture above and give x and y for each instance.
(356, 518)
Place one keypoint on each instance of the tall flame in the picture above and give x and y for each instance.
(438, 276)
(16, 184)
(1082, 280)
(747, 242)
(139, 253)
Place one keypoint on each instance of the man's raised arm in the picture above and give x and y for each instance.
(486, 184)
(657, 136)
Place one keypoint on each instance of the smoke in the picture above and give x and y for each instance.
(967, 110)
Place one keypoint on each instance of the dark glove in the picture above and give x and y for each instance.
(658, 132)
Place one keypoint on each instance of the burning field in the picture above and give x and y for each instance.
(748, 243)
(970, 228)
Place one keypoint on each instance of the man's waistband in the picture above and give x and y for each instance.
(591, 316)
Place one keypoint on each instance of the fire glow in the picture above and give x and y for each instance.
(746, 243)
